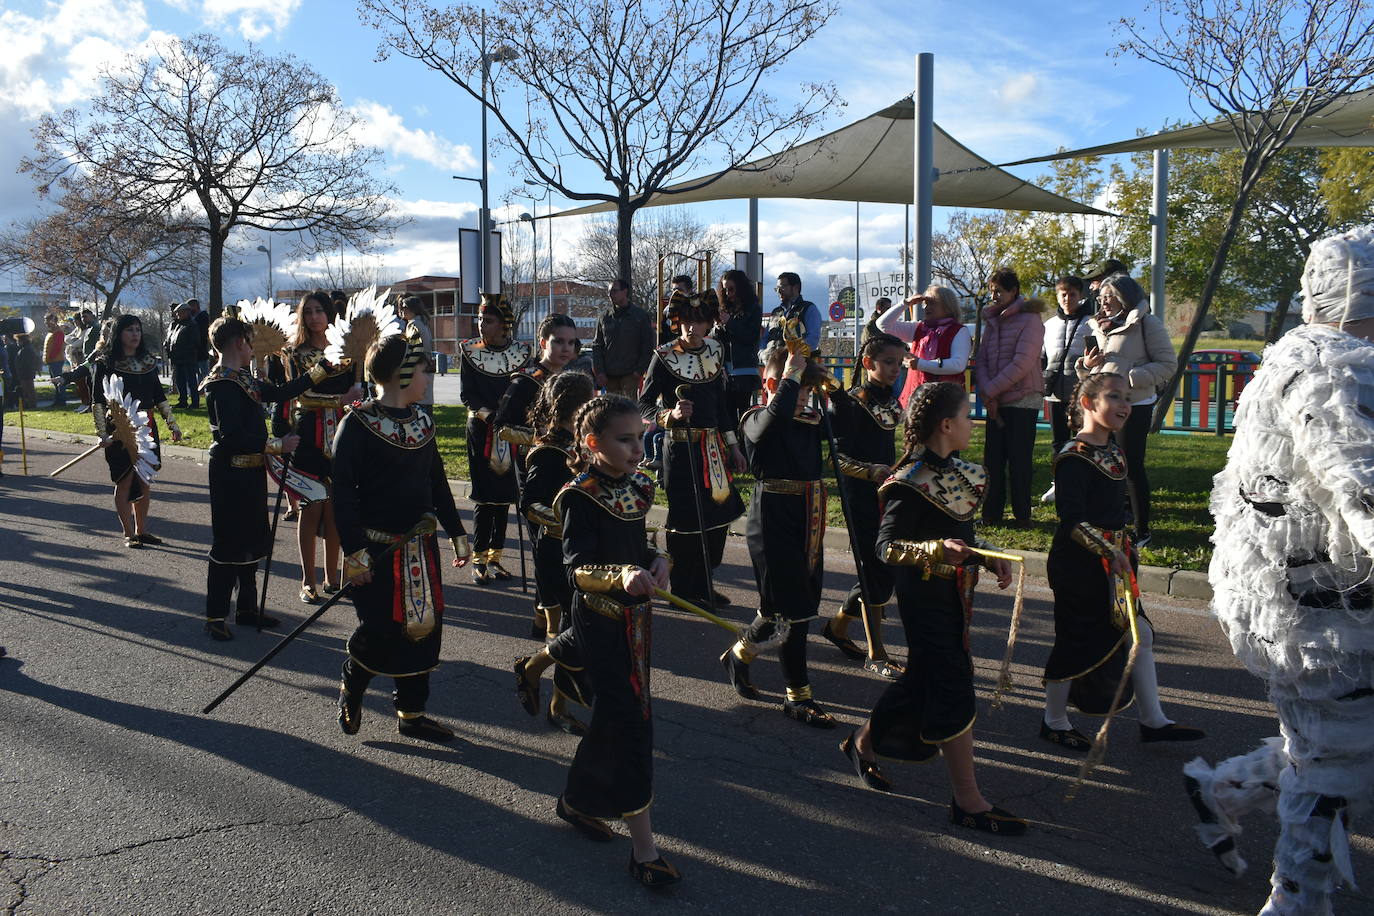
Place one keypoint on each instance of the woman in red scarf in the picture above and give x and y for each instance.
(940, 344)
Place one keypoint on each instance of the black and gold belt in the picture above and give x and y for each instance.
(246, 461)
(317, 402)
(687, 433)
(790, 487)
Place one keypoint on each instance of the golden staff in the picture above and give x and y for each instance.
(23, 437)
(692, 608)
(1004, 682)
(1099, 748)
(86, 454)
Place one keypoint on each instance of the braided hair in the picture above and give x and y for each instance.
(559, 400)
(592, 419)
(877, 343)
(1090, 387)
(930, 404)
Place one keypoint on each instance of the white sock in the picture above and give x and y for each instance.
(1146, 682)
(1057, 705)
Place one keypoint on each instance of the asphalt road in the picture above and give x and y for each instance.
(117, 796)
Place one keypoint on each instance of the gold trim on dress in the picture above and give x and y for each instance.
(928, 555)
(1102, 541)
(956, 490)
(601, 579)
(319, 401)
(545, 518)
(497, 362)
(693, 366)
(1107, 459)
(246, 461)
(516, 435)
(787, 487)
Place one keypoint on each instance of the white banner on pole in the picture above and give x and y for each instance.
(470, 256)
(869, 288)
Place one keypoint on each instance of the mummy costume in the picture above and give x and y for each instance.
(1294, 510)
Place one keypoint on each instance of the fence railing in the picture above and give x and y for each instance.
(1205, 403)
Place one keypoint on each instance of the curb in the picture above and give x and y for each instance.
(1153, 580)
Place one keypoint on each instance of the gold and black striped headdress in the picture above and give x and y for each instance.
(496, 303)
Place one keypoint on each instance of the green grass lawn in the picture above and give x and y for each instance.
(1181, 470)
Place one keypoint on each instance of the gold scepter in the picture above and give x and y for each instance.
(1099, 748)
(692, 608)
(86, 454)
(1004, 682)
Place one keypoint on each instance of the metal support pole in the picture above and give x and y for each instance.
(484, 214)
(924, 191)
(856, 284)
(753, 270)
(906, 247)
(550, 251)
(1159, 232)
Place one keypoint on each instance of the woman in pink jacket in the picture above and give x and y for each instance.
(1012, 388)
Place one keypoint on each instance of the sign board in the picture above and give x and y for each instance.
(837, 311)
(469, 256)
(861, 291)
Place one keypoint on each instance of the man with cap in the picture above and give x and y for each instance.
(1291, 576)
(183, 353)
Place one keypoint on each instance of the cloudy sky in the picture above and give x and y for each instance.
(1013, 79)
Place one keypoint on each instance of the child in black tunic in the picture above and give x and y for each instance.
(865, 418)
(387, 475)
(613, 570)
(1090, 568)
(548, 469)
(786, 529)
(929, 505)
(238, 478)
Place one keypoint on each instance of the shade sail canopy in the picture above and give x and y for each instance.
(1346, 122)
(870, 161)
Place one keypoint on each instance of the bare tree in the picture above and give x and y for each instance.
(1264, 66)
(237, 138)
(644, 92)
(969, 249)
(93, 242)
(659, 233)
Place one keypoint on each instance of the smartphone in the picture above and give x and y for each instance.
(1091, 347)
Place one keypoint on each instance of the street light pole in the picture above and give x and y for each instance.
(534, 261)
(271, 293)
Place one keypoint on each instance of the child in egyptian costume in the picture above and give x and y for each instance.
(865, 418)
(926, 536)
(612, 570)
(1291, 577)
(234, 401)
(488, 362)
(388, 474)
(685, 393)
(549, 468)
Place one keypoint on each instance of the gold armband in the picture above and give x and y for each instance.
(929, 555)
(851, 467)
(546, 518)
(356, 563)
(665, 418)
(601, 579)
(482, 413)
(273, 447)
(516, 435)
(318, 373)
(462, 547)
(729, 438)
(1098, 540)
(796, 373)
(100, 414)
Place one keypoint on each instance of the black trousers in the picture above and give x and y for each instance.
(410, 695)
(219, 586)
(489, 526)
(1059, 422)
(1009, 450)
(184, 380)
(792, 654)
(688, 577)
(1133, 441)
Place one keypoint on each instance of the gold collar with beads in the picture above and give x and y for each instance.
(696, 366)
(134, 365)
(627, 499)
(241, 377)
(1107, 459)
(412, 432)
(956, 489)
(498, 362)
(887, 414)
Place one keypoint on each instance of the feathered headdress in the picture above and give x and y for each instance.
(496, 303)
(131, 428)
(273, 324)
(367, 320)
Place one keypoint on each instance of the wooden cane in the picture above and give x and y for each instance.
(86, 454)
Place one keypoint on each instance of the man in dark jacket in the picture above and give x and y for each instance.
(623, 343)
(201, 319)
(183, 351)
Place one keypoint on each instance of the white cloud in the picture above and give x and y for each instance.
(386, 129)
(254, 19)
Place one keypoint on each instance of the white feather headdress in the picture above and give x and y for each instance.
(273, 324)
(131, 428)
(367, 320)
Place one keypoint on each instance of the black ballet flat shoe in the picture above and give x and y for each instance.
(657, 873)
(526, 691)
(808, 712)
(885, 668)
(867, 770)
(423, 728)
(737, 672)
(1070, 738)
(147, 539)
(719, 598)
(846, 645)
(254, 619)
(480, 576)
(1170, 732)
(133, 543)
(309, 595)
(350, 712)
(589, 827)
(331, 589)
(995, 820)
(567, 722)
(498, 572)
(219, 630)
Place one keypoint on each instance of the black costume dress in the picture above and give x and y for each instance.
(387, 475)
(924, 503)
(318, 413)
(238, 482)
(546, 472)
(694, 459)
(611, 775)
(864, 420)
(786, 527)
(1091, 630)
(139, 375)
(485, 375)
